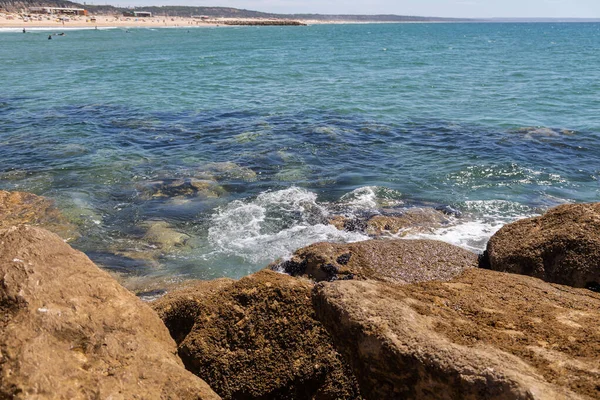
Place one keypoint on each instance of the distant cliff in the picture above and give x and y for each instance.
(215, 12)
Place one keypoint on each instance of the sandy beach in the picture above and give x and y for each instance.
(104, 21)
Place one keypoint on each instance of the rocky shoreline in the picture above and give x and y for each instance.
(380, 319)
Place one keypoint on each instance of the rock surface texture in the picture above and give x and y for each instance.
(70, 331)
(483, 335)
(561, 246)
(27, 208)
(411, 221)
(257, 338)
(398, 261)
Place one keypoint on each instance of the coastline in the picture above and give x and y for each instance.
(17, 21)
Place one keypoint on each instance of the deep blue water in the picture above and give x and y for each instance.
(285, 126)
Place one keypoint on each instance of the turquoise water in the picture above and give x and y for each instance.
(248, 139)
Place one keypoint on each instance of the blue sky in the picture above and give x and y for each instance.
(438, 8)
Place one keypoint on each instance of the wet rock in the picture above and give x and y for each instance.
(257, 339)
(410, 221)
(183, 187)
(352, 224)
(399, 261)
(483, 335)
(449, 210)
(562, 246)
(26, 208)
(68, 330)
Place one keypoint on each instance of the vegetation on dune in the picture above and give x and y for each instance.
(216, 12)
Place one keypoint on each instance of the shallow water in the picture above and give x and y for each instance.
(248, 139)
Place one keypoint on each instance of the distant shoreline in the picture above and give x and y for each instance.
(18, 21)
(109, 21)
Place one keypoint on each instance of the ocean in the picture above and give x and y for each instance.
(235, 145)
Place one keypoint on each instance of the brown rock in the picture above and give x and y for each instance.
(399, 261)
(257, 339)
(562, 246)
(411, 221)
(180, 308)
(484, 335)
(26, 208)
(70, 331)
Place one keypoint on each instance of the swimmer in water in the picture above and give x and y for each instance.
(49, 37)
(24, 31)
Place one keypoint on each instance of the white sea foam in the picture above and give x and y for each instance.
(273, 225)
(371, 198)
(276, 223)
(471, 235)
(481, 220)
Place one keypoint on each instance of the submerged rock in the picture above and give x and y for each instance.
(399, 261)
(561, 246)
(229, 170)
(483, 335)
(183, 187)
(410, 221)
(162, 235)
(257, 339)
(543, 131)
(68, 330)
(160, 238)
(26, 208)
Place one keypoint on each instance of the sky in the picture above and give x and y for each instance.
(437, 8)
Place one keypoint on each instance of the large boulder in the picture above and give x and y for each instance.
(257, 338)
(70, 331)
(180, 308)
(561, 246)
(483, 335)
(398, 261)
(27, 208)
